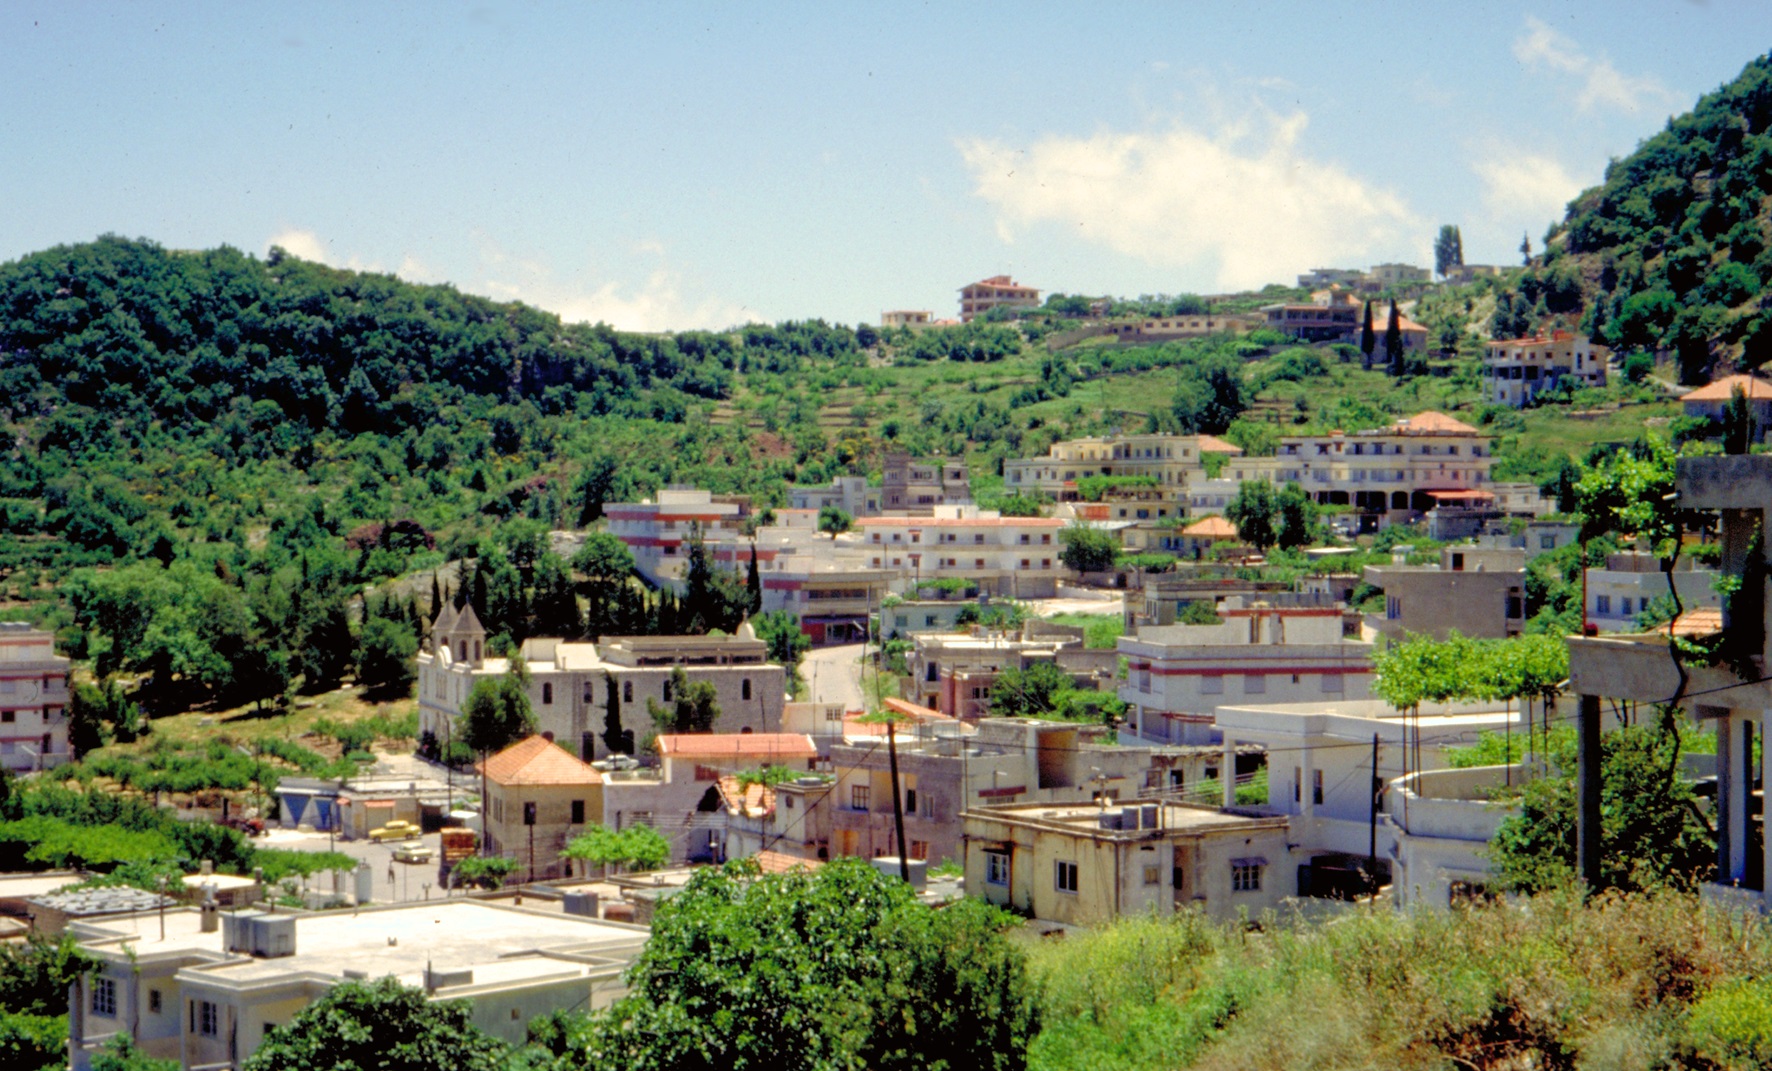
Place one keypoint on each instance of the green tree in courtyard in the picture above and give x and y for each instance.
(1087, 549)
(379, 1026)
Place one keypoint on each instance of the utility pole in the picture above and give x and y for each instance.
(1372, 824)
(904, 864)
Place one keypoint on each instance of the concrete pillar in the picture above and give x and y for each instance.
(1227, 774)
(1731, 801)
(1765, 825)
(1588, 781)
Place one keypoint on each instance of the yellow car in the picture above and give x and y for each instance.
(412, 853)
(398, 829)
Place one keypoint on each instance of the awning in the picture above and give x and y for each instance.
(1251, 860)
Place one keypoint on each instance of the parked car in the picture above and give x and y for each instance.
(399, 829)
(413, 852)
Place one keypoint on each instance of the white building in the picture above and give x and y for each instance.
(1012, 556)
(1173, 461)
(851, 494)
(33, 699)
(1632, 580)
(1177, 675)
(207, 991)
(658, 532)
(1520, 369)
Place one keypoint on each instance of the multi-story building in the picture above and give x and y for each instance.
(954, 673)
(1083, 864)
(1385, 276)
(1520, 369)
(1173, 461)
(1167, 328)
(851, 494)
(33, 699)
(911, 318)
(588, 693)
(538, 797)
(1177, 675)
(658, 531)
(945, 768)
(1012, 556)
(827, 584)
(1478, 591)
(1632, 580)
(986, 294)
(912, 487)
(1387, 474)
(204, 988)
(1342, 318)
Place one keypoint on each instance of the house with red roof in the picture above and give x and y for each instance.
(1710, 402)
(538, 797)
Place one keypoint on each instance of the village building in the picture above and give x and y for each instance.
(1177, 675)
(1087, 864)
(1633, 580)
(981, 297)
(538, 797)
(908, 318)
(586, 694)
(945, 768)
(954, 673)
(1520, 369)
(205, 989)
(1711, 402)
(659, 531)
(33, 700)
(1476, 591)
(909, 487)
(1011, 556)
(1173, 462)
(851, 494)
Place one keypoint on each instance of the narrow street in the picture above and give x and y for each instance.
(833, 675)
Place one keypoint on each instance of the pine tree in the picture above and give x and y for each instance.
(436, 596)
(1526, 250)
(1448, 250)
(754, 584)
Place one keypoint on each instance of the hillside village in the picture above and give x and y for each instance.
(1388, 599)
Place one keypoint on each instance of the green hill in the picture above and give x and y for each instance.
(1670, 253)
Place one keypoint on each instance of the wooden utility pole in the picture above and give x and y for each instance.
(904, 865)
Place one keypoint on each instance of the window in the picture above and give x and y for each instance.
(529, 813)
(1153, 875)
(1624, 606)
(1547, 542)
(627, 691)
(1316, 786)
(547, 694)
(153, 1002)
(920, 849)
(208, 1018)
(1393, 608)
(1602, 604)
(928, 620)
(578, 812)
(1212, 684)
(910, 804)
(104, 997)
(1245, 876)
(667, 690)
(745, 688)
(1297, 784)
(1254, 683)
(1064, 876)
(996, 868)
(589, 693)
(858, 797)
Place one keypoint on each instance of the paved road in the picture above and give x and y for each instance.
(833, 675)
(408, 882)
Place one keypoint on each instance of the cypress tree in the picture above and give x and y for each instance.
(436, 596)
(754, 584)
(1368, 340)
(1393, 342)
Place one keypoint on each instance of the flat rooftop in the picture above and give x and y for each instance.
(446, 934)
(1087, 816)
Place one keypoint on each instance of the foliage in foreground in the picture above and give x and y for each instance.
(379, 1026)
(1626, 981)
(838, 968)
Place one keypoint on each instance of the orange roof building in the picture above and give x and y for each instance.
(1756, 389)
(538, 797)
(1211, 528)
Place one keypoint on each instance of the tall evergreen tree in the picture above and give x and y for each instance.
(1448, 250)
(436, 596)
(1393, 342)
(1368, 340)
(754, 584)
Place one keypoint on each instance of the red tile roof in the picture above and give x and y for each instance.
(771, 862)
(1212, 444)
(736, 746)
(749, 801)
(1211, 528)
(539, 761)
(1754, 387)
(1432, 423)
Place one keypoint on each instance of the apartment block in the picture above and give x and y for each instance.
(1518, 370)
(658, 531)
(978, 298)
(1174, 462)
(33, 700)
(912, 487)
(1012, 556)
(1477, 591)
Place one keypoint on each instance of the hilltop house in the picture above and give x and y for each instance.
(1520, 369)
(978, 298)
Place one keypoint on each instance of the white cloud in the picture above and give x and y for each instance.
(1522, 186)
(301, 243)
(1601, 84)
(1244, 200)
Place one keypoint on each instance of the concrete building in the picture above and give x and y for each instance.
(1173, 461)
(979, 298)
(708, 756)
(1086, 864)
(658, 531)
(791, 820)
(1322, 779)
(826, 583)
(1639, 669)
(1178, 675)
(954, 672)
(207, 990)
(1479, 591)
(909, 487)
(910, 318)
(33, 700)
(905, 618)
(946, 768)
(1386, 276)
(1012, 556)
(851, 494)
(585, 693)
(538, 797)
(1518, 370)
(1711, 402)
(1162, 599)
(1633, 579)
(1169, 328)
(1318, 278)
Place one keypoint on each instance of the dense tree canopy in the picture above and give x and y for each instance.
(379, 1026)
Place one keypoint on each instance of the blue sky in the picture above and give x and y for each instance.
(665, 166)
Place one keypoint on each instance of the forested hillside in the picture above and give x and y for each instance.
(1671, 252)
